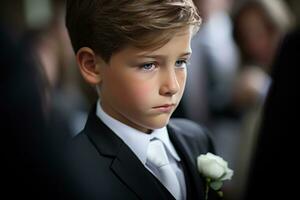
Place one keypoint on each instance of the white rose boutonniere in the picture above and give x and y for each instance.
(215, 170)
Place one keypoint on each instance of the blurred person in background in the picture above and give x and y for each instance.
(31, 150)
(274, 165)
(259, 26)
(68, 95)
(36, 82)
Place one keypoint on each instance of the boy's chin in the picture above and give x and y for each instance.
(158, 123)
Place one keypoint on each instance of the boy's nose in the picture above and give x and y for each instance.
(170, 84)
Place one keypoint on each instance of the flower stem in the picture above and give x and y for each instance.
(207, 188)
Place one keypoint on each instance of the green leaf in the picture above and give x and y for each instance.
(220, 193)
(216, 185)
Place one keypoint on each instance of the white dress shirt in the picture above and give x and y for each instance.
(138, 142)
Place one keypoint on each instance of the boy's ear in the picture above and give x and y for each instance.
(89, 65)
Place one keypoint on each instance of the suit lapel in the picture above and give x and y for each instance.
(194, 183)
(125, 165)
(130, 170)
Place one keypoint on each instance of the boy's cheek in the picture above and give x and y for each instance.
(142, 93)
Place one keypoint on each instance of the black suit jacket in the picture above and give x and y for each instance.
(102, 166)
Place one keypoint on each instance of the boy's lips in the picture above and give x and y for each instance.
(165, 107)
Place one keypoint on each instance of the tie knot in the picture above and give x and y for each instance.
(156, 153)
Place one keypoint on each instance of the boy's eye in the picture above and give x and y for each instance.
(181, 63)
(148, 66)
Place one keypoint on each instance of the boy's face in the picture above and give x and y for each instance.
(143, 88)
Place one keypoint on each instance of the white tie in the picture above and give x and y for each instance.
(157, 156)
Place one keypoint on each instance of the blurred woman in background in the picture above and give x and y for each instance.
(259, 27)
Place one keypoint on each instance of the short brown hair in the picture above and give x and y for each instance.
(107, 26)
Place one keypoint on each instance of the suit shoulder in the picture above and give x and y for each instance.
(188, 127)
(192, 132)
(79, 139)
(80, 147)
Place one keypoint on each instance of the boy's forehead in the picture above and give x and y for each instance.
(181, 38)
(177, 46)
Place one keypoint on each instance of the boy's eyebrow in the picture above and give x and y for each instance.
(162, 56)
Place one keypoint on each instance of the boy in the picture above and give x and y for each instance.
(135, 53)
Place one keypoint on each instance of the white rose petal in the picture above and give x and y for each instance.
(210, 168)
(228, 175)
(214, 167)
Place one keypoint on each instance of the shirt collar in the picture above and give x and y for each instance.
(136, 140)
